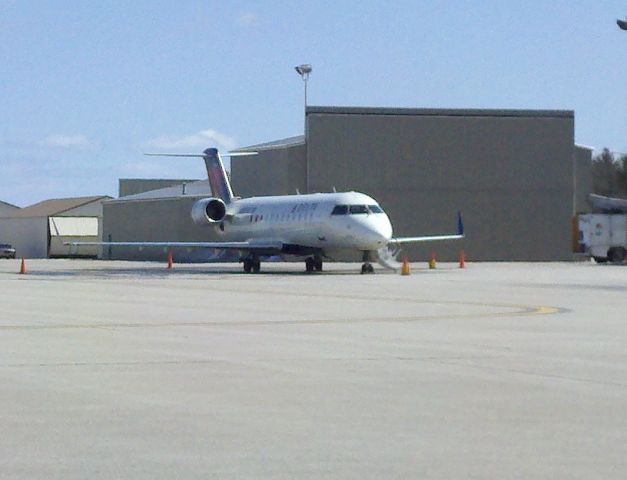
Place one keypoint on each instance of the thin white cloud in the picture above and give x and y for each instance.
(155, 168)
(247, 19)
(193, 142)
(67, 141)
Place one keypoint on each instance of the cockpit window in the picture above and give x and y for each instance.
(358, 209)
(340, 210)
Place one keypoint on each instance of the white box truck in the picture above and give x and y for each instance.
(603, 236)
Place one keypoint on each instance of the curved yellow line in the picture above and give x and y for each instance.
(523, 310)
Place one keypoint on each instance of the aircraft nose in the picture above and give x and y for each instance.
(376, 236)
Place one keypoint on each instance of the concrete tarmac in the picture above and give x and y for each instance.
(127, 370)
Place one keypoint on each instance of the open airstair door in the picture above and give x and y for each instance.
(386, 257)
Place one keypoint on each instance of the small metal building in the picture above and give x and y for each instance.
(158, 215)
(39, 231)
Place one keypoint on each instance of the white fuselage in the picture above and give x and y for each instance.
(312, 220)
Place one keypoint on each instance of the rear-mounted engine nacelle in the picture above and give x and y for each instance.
(208, 211)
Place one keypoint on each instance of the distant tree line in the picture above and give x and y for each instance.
(609, 174)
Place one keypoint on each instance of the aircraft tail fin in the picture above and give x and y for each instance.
(218, 180)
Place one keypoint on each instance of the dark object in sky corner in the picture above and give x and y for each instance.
(622, 24)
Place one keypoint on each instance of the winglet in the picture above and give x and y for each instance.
(460, 224)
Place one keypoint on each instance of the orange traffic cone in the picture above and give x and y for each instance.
(23, 267)
(462, 259)
(405, 267)
(170, 261)
(432, 260)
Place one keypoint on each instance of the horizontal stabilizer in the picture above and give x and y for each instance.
(216, 174)
(190, 155)
(199, 155)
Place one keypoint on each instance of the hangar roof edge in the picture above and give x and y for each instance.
(445, 112)
(8, 204)
(55, 206)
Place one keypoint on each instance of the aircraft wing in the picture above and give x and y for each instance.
(247, 245)
(432, 238)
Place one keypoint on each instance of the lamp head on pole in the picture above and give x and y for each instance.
(303, 70)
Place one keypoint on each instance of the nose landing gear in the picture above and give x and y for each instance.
(367, 266)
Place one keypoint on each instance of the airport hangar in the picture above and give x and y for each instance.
(516, 175)
(41, 230)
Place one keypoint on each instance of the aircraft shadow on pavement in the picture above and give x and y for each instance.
(146, 273)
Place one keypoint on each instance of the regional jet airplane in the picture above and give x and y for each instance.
(312, 226)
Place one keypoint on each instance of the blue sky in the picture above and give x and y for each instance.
(87, 86)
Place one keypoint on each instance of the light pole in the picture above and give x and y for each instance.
(304, 70)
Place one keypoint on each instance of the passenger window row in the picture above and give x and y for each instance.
(282, 217)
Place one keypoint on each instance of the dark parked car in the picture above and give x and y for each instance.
(6, 251)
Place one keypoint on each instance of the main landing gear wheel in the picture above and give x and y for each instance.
(248, 265)
(616, 255)
(317, 264)
(309, 265)
(313, 264)
(367, 268)
(252, 264)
